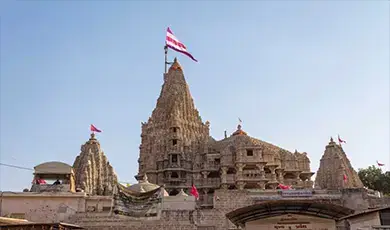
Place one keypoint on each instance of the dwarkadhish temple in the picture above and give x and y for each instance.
(238, 180)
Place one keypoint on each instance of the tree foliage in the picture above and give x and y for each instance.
(373, 178)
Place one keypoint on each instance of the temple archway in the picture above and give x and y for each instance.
(288, 214)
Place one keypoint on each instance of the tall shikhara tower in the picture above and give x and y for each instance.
(174, 137)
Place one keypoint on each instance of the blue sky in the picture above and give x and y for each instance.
(295, 72)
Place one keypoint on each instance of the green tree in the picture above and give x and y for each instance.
(373, 178)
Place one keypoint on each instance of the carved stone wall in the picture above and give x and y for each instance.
(177, 151)
(173, 136)
(93, 172)
(336, 171)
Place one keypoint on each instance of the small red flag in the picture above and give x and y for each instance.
(345, 177)
(284, 187)
(341, 140)
(194, 192)
(380, 164)
(94, 129)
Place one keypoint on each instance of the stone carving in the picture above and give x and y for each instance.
(334, 165)
(176, 149)
(93, 172)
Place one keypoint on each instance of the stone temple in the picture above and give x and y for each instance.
(177, 150)
(238, 178)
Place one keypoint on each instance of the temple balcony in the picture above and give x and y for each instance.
(207, 182)
(212, 166)
(252, 175)
(53, 177)
(211, 182)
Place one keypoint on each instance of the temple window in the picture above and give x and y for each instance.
(174, 175)
(174, 158)
(174, 129)
(217, 161)
(174, 142)
(249, 152)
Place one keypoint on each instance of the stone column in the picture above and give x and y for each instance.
(280, 175)
(240, 168)
(205, 174)
(273, 174)
(261, 185)
(205, 195)
(261, 168)
(223, 175)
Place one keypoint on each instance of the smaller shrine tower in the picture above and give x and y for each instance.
(336, 171)
(93, 172)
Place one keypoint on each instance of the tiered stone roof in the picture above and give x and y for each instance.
(334, 165)
(93, 171)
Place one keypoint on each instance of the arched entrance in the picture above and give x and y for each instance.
(288, 214)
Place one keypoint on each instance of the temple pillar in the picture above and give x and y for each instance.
(240, 168)
(261, 185)
(260, 166)
(272, 168)
(241, 185)
(223, 174)
(280, 175)
(223, 177)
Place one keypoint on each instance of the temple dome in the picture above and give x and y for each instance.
(143, 186)
(239, 131)
(54, 167)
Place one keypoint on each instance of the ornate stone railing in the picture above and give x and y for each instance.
(50, 188)
(211, 182)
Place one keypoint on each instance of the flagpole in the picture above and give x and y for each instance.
(166, 54)
(166, 58)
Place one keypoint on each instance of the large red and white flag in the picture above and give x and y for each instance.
(380, 164)
(172, 42)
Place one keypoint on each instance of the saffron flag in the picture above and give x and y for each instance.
(380, 164)
(172, 42)
(341, 140)
(194, 192)
(94, 129)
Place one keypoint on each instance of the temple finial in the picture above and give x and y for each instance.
(175, 65)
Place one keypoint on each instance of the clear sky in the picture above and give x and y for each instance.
(295, 72)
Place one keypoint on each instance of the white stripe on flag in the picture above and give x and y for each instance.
(174, 43)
